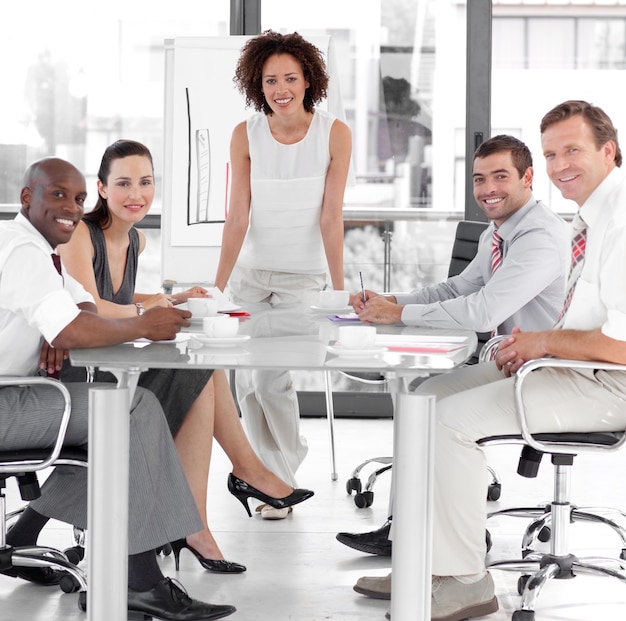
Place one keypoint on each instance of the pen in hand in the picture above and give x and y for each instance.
(362, 287)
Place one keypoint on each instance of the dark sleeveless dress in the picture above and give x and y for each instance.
(124, 295)
(176, 389)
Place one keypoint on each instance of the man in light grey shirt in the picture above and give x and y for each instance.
(519, 283)
(527, 287)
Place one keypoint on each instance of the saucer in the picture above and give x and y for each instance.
(352, 352)
(181, 337)
(331, 310)
(226, 341)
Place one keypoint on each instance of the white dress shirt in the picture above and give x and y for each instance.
(599, 300)
(35, 301)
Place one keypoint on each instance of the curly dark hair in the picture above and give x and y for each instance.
(257, 50)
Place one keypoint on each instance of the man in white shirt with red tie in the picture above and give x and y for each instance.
(583, 160)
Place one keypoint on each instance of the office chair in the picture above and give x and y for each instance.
(464, 250)
(23, 465)
(560, 562)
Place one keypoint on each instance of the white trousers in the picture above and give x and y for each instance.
(268, 399)
(477, 402)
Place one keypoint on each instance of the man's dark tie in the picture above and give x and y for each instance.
(56, 259)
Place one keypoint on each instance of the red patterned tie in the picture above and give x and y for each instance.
(496, 259)
(579, 245)
(496, 251)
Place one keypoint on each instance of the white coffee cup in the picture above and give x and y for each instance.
(333, 298)
(357, 337)
(221, 326)
(202, 307)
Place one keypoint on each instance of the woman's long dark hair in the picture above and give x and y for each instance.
(100, 214)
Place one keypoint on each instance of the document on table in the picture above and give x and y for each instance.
(344, 318)
(420, 344)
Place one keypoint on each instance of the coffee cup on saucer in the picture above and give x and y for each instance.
(357, 337)
(221, 326)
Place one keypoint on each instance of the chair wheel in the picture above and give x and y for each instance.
(521, 585)
(82, 601)
(493, 491)
(545, 534)
(523, 615)
(488, 540)
(353, 485)
(365, 499)
(69, 584)
(75, 555)
(165, 550)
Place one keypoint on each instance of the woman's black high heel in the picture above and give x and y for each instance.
(242, 491)
(219, 567)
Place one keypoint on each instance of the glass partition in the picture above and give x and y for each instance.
(401, 67)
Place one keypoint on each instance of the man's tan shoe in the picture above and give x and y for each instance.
(453, 600)
(374, 586)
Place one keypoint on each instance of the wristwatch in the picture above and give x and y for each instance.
(141, 309)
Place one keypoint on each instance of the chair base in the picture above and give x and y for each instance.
(73, 579)
(365, 498)
(540, 528)
(552, 567)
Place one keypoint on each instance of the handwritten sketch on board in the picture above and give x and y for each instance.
(202, 107)
(203, 151)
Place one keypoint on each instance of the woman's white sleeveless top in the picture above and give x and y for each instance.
(287, 185)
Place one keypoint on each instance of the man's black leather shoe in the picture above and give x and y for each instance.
(170, 602)
(374, 542)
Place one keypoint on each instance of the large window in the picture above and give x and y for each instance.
(83, 78)
(76, 76)
(547, 52)
(559, 42)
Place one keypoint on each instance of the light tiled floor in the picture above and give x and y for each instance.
(298, 571)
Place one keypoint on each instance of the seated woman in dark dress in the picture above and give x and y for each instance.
(102, 255)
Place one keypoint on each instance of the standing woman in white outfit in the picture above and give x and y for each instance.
(284, 229)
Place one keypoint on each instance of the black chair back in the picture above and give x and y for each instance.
(464, 250)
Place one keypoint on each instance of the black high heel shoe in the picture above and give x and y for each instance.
(242, 491)
(219, 567)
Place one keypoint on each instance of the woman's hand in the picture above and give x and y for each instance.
(194, 292)
(158, 299)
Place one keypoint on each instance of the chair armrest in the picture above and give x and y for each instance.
(33, 465)
(490, 348)
(558, 447)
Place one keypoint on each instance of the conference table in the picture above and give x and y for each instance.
(272, 338)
